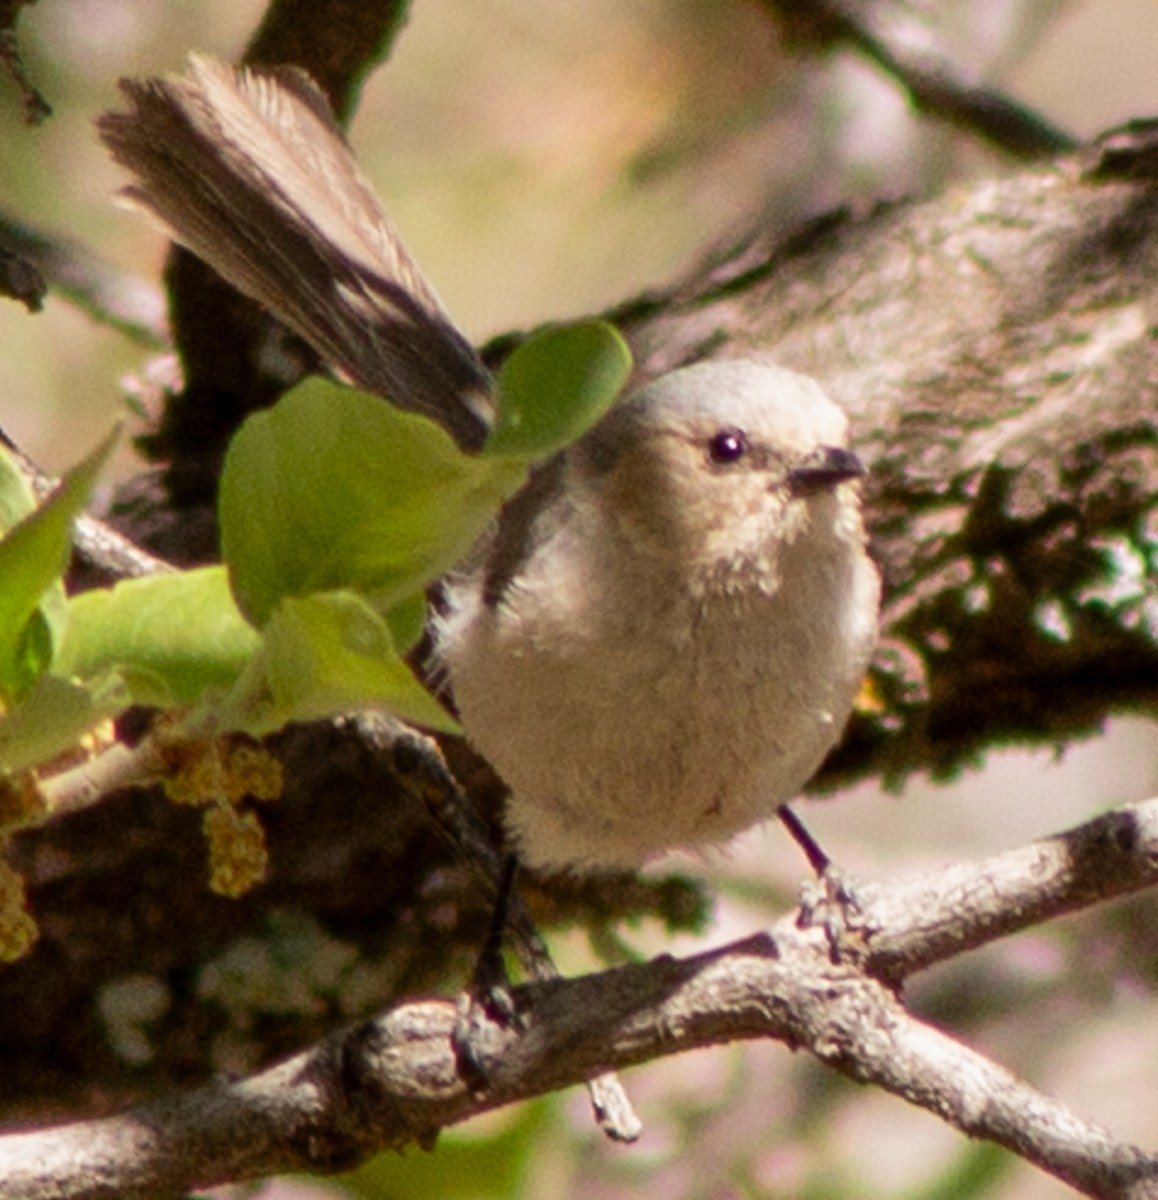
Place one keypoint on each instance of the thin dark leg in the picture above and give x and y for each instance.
(488, 996)
(820, 863)
(831, 899)
(490, 981)
(418, 760)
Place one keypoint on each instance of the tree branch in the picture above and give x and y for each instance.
(993, 349)
(336, 42)
(36, 107)
(112, 297)
(897, 38)
(102, 553)
(392, 1081)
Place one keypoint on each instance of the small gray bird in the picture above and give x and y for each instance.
(668, 633)
(664, 635)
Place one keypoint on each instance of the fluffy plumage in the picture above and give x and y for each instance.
(672, 637)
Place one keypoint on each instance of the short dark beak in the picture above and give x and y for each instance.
(824, 468)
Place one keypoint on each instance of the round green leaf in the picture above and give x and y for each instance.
(322, 655)
(555, 386)
(172, 636)
(334, 489)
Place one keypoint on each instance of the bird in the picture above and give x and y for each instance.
(666, 635)
(665, 631)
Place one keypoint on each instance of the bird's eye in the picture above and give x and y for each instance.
(728, 446)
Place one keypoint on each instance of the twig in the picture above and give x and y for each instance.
(101, 546)
(123, 302)
(893, 36)
(21, 281)
(932, 918)
(89, 782)
(36, 107)
(98, 544)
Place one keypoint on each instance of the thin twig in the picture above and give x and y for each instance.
(36, 107)
(98, 544)
(89, 782)
(896, 38)
(110, 296)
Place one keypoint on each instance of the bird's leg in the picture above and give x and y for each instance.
(830, 899)
(488, 995)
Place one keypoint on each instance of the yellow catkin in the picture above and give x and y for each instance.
(238, 858)
(219, 774)
(195, 774)
(21, 801)
(250, 770)
(18, 931)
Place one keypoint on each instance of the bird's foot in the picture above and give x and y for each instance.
(829, 900)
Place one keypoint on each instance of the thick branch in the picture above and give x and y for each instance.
(393, 1080)
(994, 349)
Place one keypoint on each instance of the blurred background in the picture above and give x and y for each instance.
(546, 160)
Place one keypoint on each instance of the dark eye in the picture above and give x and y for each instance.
(728, 446)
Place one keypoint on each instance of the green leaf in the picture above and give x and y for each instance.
(43, 631)
(33, 556)
(322, 655)
(555, 386)
(407, 622)
(172, 636)
(17, 498)
(334, 489)
(54, 715)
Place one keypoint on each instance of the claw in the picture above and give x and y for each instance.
(830, 899)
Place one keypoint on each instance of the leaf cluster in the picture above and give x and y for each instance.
(337, 511)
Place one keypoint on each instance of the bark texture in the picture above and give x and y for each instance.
(995, 348)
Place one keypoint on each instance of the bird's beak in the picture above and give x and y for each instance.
(824, 468)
